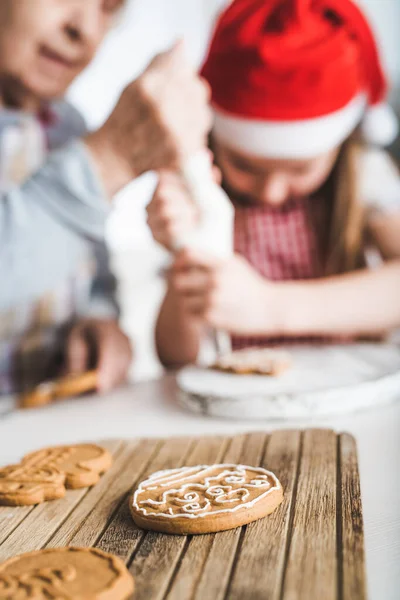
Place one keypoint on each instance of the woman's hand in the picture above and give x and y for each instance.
(161, 119)
(100, 344)
(227, 294)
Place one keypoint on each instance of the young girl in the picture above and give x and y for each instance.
(297, 91)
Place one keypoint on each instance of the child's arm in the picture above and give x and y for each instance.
(362, 303)
(178, 333)
(230, 295)
(384, 230)
(205, 291)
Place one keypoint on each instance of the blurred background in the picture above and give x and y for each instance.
(146, 28)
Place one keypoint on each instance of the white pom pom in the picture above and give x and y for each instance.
(379, 125)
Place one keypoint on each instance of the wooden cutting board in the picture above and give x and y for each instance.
(310, 548)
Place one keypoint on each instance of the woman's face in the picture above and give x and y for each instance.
(261, 181)
(45, 44)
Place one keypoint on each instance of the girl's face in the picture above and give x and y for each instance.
(45, 44)
(271, 181)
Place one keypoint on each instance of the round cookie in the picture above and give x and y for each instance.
(69, 573)
(205, 498)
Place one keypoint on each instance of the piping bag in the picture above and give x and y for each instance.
(214, 233)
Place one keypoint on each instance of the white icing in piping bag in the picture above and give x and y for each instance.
(214, 234)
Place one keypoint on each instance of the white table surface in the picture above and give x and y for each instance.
(150, 410)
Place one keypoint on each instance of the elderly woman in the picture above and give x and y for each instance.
(56, 183)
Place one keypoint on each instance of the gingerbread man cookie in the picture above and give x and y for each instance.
(45, 474)
(259, 361)
(65, 573)
(20, 486)
(81, 463)
(205, 498)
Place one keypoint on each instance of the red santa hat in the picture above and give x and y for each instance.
(293, 78)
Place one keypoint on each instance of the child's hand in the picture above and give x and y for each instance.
(227, 295)
(171, 213)
(100, 344)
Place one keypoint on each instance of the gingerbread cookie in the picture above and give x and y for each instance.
(259, 361)
(21, 486)
(45, 474)
(82, 463)
(65, 573)
(205, 498)
(75, 385)
(66, 387)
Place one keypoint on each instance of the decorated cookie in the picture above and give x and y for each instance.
(45, 474)
(65, 573)
(205, 498)
(259, 361)
(48, 391)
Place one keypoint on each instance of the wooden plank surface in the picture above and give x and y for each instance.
(312, 570)
(310, 547)
(11, 518)
(351, 529)
(264, 541)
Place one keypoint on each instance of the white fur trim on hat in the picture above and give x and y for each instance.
(289, 139)
(379, 125)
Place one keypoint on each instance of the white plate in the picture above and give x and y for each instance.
(323, 380)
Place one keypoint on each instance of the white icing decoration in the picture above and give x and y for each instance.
(192, 499)
(239, 494)
(235, 479)
(195, 507)
(218, 490)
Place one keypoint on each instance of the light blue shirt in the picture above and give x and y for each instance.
(53, 260)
